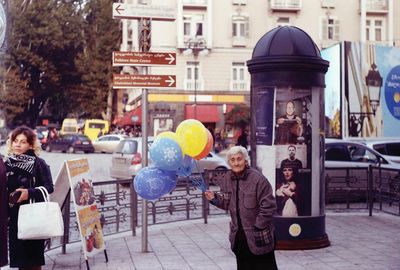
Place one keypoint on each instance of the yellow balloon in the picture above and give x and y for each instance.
(193, 135)
(170, 135)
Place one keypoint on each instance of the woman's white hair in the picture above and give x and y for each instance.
(235, 150)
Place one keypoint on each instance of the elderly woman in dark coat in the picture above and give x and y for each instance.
(25, 172)
(3, 214)
(248, 196)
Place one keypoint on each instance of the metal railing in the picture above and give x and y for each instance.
(119, 205)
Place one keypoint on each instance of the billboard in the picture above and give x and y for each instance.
(362, 95)
(333, 92)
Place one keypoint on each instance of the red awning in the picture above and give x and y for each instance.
(131, 118)
(204, 113)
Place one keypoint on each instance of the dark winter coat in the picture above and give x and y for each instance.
(27, 253)
(3, 214)
(256, 206)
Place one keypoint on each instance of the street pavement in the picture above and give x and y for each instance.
(357, 242)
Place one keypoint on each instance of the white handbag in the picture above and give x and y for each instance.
(41, 220)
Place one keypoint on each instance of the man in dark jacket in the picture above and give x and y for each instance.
(3, 214)
(248, 196)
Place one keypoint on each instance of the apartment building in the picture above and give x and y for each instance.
(213, 39)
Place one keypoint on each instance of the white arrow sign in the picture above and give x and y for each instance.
(134, 11)
(171, 81)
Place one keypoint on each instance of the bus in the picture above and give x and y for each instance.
(93, 127)
(69, 125)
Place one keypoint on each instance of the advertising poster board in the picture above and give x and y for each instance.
(88, 216)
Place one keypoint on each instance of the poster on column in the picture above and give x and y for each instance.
(88, 216)
(293, 152)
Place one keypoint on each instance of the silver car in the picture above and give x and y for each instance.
(389, 148)
(345, 168)
(127, 159)
(107, 143)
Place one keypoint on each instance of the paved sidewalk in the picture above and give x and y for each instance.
(357, 242)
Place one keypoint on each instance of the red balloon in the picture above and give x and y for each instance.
(207, 148)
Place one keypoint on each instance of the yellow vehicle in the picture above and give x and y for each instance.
(69, 125)
(93, 127)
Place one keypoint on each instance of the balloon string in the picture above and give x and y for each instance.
(199, 181)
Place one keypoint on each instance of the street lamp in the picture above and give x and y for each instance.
(373, 80)
(196, 46)
(374, 83)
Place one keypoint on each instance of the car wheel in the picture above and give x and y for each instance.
(71, 150)
(48, 148)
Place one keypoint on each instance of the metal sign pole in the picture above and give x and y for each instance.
(144, 44)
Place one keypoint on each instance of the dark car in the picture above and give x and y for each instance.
(70, 143)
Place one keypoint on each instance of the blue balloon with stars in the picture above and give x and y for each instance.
(166, 154)
(151, 183)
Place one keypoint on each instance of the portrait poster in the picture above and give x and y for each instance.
(292, 141)
(88, 216)
(162, 124)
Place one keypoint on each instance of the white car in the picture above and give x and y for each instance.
(387, 147)
(107, 143)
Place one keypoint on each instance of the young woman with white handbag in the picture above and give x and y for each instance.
(25, 172)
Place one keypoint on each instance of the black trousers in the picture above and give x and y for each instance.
(245, 260)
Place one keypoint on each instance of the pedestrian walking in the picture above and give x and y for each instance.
(248, 196)
(25, 171)
(3, 214)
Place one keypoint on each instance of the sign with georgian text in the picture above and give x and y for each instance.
(133, 11)
(144, 59)
(121, 81)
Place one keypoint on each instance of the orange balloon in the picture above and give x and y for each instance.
(207, 148)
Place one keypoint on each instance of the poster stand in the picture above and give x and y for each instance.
(87, 214)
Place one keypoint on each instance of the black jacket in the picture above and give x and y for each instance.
(3, 215)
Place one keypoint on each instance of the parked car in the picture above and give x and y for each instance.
(387, 147)
(70, 143)
(346, 159)
(347, 153)
(107, 143)
(127, 159)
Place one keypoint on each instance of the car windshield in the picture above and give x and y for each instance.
(127, 147)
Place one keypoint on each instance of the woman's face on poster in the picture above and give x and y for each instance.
(287, 173)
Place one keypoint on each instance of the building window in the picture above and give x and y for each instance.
(193, 26)
(192, 81)
(240, 26)
(238, 76)
(374, 30)
(330, 29)
(283, 21)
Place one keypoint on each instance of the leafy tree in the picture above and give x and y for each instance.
(102, 36)
(44, 39)
(239, 116)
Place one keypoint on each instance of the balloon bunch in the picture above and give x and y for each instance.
(173, 154)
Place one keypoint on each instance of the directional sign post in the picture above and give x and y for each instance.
(121, 81)
(132, 11)
(144, 59)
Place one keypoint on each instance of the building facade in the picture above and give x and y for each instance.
(213, 39)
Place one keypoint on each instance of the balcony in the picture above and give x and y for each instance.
(285, 5)
(377, 6)
(195, 4)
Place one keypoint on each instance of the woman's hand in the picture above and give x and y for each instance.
(24, 194)
(209, 195)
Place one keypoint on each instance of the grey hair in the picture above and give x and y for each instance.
(235, 150)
